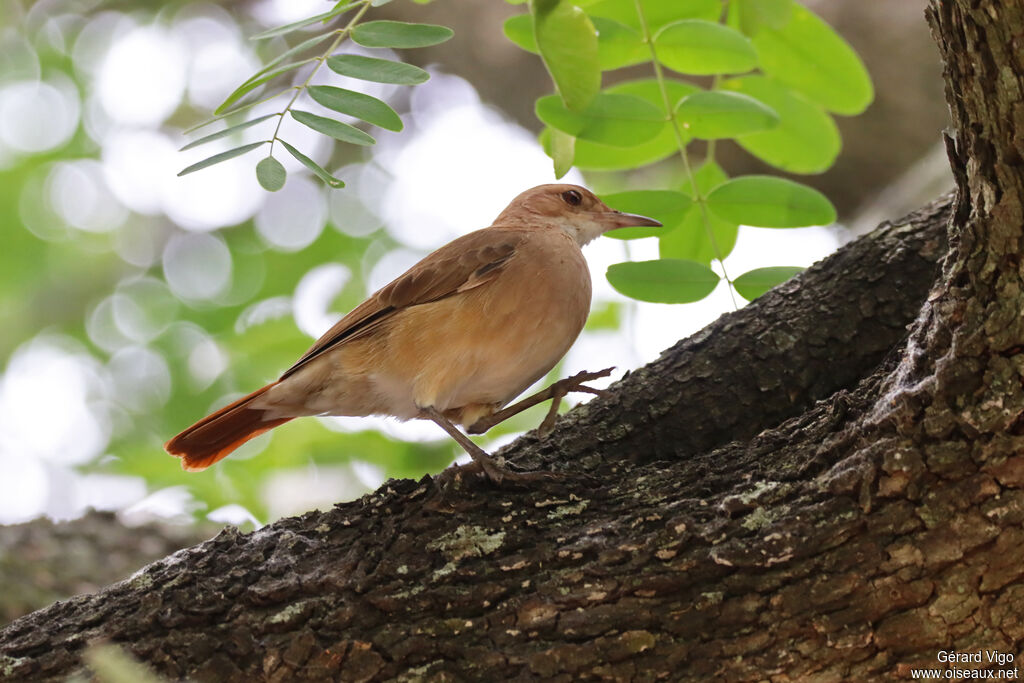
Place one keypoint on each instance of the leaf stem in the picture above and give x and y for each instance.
(698, 194)
(709, 155)
(299, 89)
(232, 112)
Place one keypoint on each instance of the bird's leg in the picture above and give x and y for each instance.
(495, 470)
(555, 392)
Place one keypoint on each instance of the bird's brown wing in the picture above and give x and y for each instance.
(460, 265)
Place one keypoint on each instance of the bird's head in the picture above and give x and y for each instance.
(572, 208)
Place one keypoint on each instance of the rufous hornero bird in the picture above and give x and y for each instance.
(452, 340)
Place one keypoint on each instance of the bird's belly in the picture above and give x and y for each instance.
(480, 348)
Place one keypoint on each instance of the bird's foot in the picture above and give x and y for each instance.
(493, 469)
(575, 383)
(500, 476)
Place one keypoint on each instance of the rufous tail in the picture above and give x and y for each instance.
(216, 435)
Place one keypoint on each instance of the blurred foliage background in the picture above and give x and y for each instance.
(134, 301)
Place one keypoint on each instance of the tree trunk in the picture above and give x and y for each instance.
(797, 492)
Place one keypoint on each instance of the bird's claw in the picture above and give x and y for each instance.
(580, 377)
(489, 470)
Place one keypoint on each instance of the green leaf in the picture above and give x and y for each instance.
(618, 45)
(756, 13)
(811, 58)
(770, 202)
(666, 206)
(356, 104)
(295, 25)
(665, 281)
(400, 34)
(690, 239)
(593, 155)
(567, 42)
(313, 166)
(271, 174)
(716, 114)
(612, 119)
(657, 13)
(563, 148)
(230, 130)
(754, 283)
(335, 129)
(377, 70)
(519, 30)
(693, 46)
(256, 82)
(223, 156)
(806, 139)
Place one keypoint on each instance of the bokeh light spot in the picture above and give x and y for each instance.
(137, 164)
(171, 504)
(24, 488)
(271, 12)
(314, 294)
(220, 57)
(205, 363)
(369, 475)
(142, 380)
(18, 60)
(48, 406)
(102, 328)
(263, 311)
(36, 210)
(79, 195)
(233, 513)
(142, 77)
(353, 210)
(36, 116)
(197, 265)
(143, 308)
(292, 218)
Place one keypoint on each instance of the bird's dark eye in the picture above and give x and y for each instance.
(572, 197)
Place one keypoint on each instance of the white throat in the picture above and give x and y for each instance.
(582, 230)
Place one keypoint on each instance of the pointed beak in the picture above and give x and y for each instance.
(617, 219)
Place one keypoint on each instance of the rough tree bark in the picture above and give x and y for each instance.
(42, 561)
(793, 493)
